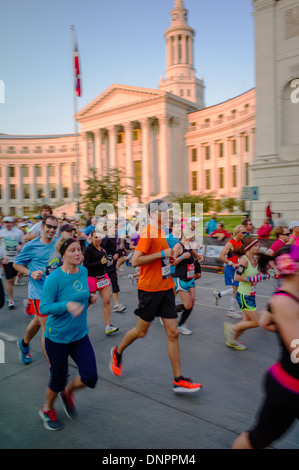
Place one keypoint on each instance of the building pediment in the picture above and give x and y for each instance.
(118, 96)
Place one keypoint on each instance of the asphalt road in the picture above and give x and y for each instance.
(140, 410)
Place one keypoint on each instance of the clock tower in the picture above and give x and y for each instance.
(180, 73)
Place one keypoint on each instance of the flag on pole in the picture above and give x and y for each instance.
(77, 75)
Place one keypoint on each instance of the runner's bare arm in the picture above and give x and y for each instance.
(242, 266)
(21, 269)
(139, 258)
(223, 255)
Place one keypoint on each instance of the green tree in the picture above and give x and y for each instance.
(106, 189)
(207, 200)
(229, 203)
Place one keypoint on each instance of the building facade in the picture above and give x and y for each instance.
(221, 147)
(165, 140)
(35, 170)
(275, 170)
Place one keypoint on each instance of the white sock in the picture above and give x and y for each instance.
(232, 303)
(229, 291)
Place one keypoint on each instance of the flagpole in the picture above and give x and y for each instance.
(77, 192)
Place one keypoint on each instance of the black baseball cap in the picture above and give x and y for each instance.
(67, 228)
(158, 205)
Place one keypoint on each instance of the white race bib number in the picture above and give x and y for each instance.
(190, 271)
(103, 283)
(165, 268)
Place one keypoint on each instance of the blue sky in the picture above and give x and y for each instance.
(120, 41)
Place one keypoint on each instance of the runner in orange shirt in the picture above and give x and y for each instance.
(156, 295)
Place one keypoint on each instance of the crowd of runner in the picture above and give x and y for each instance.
(71, 266)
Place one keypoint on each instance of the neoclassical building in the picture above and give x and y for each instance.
(275, 169)
(165, 140)
(221, 145)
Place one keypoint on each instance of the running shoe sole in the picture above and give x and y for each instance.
(185, 385)
(120, 309)
(239, 347)
(112, 330)
(184, 330)
(234, 314)
(178, 389)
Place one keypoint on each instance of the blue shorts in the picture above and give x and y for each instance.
(183, 285)
(229, 276)
(246, 302)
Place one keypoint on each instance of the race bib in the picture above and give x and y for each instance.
(165, 268)
(253, 288)
(103, 282)
(190, 270)
(10, 245)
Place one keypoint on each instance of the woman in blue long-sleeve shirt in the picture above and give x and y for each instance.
(65, 298)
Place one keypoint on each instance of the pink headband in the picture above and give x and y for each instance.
(251, 245)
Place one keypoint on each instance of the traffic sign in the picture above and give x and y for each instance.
(250, 193)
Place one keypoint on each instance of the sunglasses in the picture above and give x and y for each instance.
(287, 234)
(54, 227)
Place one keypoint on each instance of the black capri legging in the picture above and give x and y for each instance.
(81, 352)
(2, 298)
(278, 412)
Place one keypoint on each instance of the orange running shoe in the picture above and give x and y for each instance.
(185, 385)
(115, 362)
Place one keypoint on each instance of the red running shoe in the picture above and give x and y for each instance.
(185, 385)
(50, 419)
(68, 405)
(27, 308)
(115, 362)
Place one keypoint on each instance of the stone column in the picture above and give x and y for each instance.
(129, 154)
(155, 158)
(106, 163)
(112, 148)
(145, 165)
(190, 50)
(184, 47)
(164, 164)
(98, 152)
(92, 147)
(176, 49)
(168, 52)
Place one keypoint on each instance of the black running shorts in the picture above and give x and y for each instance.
(156, 304)
(10, 272)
